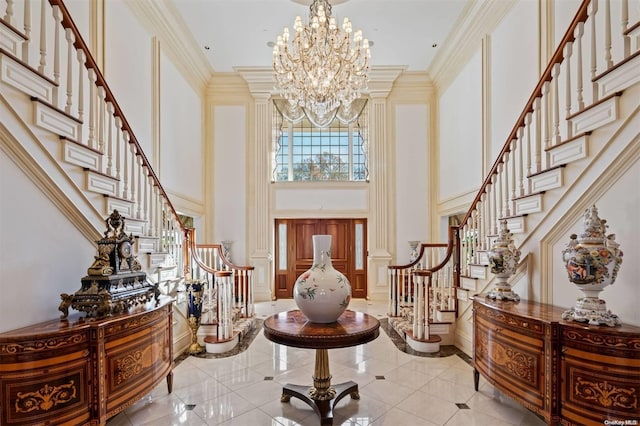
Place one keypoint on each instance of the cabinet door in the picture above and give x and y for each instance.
(598, 387)
(50, 390)
(512, 361)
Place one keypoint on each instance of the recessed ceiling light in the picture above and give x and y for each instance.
(270, 44)
(206, 47)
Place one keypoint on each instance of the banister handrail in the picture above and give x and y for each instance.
(558, 56)
(193, 246)
(79, 43)
(420, 253)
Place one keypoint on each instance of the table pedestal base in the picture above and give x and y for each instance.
(322, 407)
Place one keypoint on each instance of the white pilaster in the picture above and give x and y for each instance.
(259, 230)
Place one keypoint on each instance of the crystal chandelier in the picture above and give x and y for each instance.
(321, 68)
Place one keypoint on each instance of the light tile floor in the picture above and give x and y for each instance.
(420, 391)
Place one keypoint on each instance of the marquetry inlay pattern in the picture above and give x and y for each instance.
(606, 394)
(83, 371)
(579, 374)
(45, 398)
(42, 344)
(512, 360)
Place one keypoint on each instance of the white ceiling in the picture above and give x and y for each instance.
(237, 31)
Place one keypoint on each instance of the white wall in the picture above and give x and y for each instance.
(181, 152)
(412, 173)
(620, 209)
(513, 69)
(230, 184)
(129, 70)
(460, 128)
(43, 253)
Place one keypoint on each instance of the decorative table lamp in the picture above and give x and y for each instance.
(592, 261)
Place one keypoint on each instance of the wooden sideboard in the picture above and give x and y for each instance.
(567, 372)
(80, 371)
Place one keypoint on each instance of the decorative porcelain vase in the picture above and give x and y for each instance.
(592, 261)
(322, 293)
(195, 290)
(503, 258)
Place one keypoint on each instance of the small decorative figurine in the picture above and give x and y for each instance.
(592, 261)
(503, 258)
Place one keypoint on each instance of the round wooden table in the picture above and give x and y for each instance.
(292, 328)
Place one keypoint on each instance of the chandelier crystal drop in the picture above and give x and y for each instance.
(320, 67)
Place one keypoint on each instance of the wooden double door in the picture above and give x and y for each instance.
(294, 251)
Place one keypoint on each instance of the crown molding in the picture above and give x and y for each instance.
(413, 86)
(162, 19)
(479, 17)
(261, 81)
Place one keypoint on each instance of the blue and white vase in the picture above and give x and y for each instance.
(322, 293)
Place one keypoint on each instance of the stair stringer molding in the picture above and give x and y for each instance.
(23, 148)
(613, 148)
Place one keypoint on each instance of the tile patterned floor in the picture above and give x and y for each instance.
(396, 388)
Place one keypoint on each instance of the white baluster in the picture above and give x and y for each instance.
(140, 187)
(70, 50)
(494, 204)
(537, 141)
(519, 165)
(43, 36)
(527, 142)
(567, 59)
(27, 31)
(57, 17)
(556, 105)
(607, 34)
(81, 82)
(92, 108)
(132, 176)
(547, 123)
(505, 185)
(594, 50)
(110, 139)
(8, 16)
(624, 21)
(151, 200)
(125, 165)
(119, 148)
(579, 65)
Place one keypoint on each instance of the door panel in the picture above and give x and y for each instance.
(347, 255)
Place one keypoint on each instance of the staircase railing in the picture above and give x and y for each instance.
(47, 40)
(228, 290)
(572, 94)
(41, 36)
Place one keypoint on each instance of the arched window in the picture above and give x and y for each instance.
(306, 152)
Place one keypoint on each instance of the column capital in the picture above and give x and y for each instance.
(260, 80)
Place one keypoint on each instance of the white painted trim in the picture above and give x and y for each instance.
(626, 75)
(478, 271)
(568, 152)
(56, 122)
(24, 79)
(124, 207)
(101, 184)
(516, 225)
(531, 204)
(80, 155)
(546, 181)
(9, 39)
(599, 115)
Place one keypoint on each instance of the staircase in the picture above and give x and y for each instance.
(62, 124)
(582, 119)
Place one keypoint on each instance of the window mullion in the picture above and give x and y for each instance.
(290, 159)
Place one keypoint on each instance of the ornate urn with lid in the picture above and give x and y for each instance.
(592, 261)
(503, 258)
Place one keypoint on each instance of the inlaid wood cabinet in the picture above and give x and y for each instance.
(81, 371)
(567, 372)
